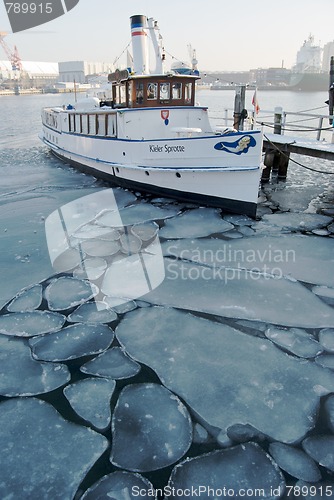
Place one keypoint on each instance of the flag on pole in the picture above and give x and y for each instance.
(255, 102)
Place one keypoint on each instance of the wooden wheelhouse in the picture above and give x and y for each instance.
(150, 91)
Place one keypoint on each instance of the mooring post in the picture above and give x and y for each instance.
(283, 163)
(278, 112)
(239, 108)
(331, 90)
(330, 101)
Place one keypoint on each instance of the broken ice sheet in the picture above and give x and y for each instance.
(113, 363)
(91, 268)
(92, 312)
(226, 376)
(31, 323)
(195, 223)
(20, 375)
(151, 428)
(27, 300)
(120, 485)
(100, 248)
(320, 448)
(240, 294)
(295, 221)
(67, 292)
(135, 214)
(304, 258)
(326, 339)
(72, 342)
(42, 455)
(296, 341)
(295, 462)
(239, 468)
(90, 399)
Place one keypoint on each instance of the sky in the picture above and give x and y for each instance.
(227, 35)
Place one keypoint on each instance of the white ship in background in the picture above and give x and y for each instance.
(149, 135)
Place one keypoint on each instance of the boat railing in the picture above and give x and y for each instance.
(279, 121)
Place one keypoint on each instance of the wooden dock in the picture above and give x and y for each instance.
(277, 149)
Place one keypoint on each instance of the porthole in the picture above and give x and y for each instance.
(147, 173)
(178, 174)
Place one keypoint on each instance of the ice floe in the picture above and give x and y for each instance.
(234, 472)
(92, 267)
(31, 323)
(295, 462)
(325, 293)
(296, 341)
(42, 455)
(92, 312)
(151, 428)
(66, 292)
(100, 248)
(195, 223)
(120, 485)
(90, 399)
(325, 360)
(304, 258)
(113, 363)
(136, 214)
(295, 221)
(326, 339)
(226, 376)
(27, 300)
(72, 342)
(240, 294)
(20, 375)
(320, 448)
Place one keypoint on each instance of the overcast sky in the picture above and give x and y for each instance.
(227, 35)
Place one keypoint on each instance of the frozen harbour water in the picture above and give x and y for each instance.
(151, 344)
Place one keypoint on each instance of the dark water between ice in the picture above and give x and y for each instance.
(235, 344)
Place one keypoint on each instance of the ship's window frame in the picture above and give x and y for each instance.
(176, 91)
(152, 91)
(164, 91)
(139, 92)
(188, 92)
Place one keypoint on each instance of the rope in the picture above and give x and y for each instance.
(118, 58)
(295, 161)
(295, 129)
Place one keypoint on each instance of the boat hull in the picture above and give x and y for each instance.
(210, 187)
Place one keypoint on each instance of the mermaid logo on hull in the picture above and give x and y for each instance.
(238, 147)
(23, 14)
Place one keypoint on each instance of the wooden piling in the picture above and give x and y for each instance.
(278, 112)
(239, 108)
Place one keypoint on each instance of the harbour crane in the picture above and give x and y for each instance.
(12, 55)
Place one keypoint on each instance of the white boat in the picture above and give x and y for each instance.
(152, 137)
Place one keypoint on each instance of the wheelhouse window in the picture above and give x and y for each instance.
(152, 91)
(188, 92)
(164, 91)
(139, 92)
(177, 91)
(120, 97)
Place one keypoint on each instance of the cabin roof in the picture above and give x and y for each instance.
(121, 76)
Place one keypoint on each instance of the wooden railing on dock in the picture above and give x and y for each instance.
(288, 132)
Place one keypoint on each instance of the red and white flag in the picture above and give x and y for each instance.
(255, 102)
